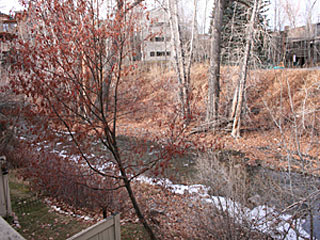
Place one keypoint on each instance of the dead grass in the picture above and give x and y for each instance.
(284, 96)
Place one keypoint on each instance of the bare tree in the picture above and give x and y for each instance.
(237, 104)
(214, 70)
(290, 11)
(309, 29)
(205, 17)
(181, 63)
(193, 38)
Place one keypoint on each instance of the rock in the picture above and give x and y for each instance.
(255, 200)
(155, 212)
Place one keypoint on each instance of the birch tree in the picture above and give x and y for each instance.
(310, 31)
(237, 104)
(193, 38)
(291, 11)
(181, 62)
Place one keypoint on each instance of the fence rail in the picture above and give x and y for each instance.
(107, 229)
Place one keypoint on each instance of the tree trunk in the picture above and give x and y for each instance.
(192, 40)
(191, 53)
(132, 197)
(214, 71)
(136, 207)
(240, 90)
(179, 60)
(113, 143)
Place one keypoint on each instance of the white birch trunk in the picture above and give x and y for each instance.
(179, 59)
(243, 72)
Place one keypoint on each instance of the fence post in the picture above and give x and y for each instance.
(116, 220)
(5, 201)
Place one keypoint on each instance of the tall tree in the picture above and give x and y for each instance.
(181, 61)
(235, 17)
(227, 33)
(310, 31)
(214, 70)
(73, 73)
(237, 104)
(193, 39)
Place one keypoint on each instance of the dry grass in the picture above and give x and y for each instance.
(288, 96)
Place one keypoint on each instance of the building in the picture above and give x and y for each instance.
(157, 45)
(10, 28)
(297, 47)
(303, 45)
(8, 31)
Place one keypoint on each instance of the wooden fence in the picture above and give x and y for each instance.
(7, 232)
(5, 201)
(107, 229)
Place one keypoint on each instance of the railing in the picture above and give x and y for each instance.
(107, 229)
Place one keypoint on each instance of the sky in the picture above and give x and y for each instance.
(298, 7)
(7, 5)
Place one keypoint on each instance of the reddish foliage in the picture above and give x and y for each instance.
(74, 70)
(57, 177)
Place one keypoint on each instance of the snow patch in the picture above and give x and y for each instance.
(262, 218)
(59, 210)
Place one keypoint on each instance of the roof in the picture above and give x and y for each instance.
(7, 35)
(10, 21)
(4, 15)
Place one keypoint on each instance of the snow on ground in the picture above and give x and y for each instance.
(69, 213)
(262, 218)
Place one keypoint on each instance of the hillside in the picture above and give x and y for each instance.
(280, 131)
(281, 115)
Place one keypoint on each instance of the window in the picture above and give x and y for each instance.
(160, 54)
(5, 27)
(13, 25)
(159, 39)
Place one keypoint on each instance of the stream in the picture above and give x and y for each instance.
(225, 177)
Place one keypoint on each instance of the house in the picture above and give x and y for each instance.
(157, 45)
(303, 45)
(297, 46)
(11, 26)
(8, 31)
